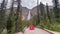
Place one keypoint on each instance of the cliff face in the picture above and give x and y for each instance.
(25, 11)
(34, 11)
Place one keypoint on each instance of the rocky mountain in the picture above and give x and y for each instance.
(34, 11)
(25, 11)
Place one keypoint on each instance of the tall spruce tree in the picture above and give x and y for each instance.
(48, 13)
(42, 10)
(2, 16)
(56, 10)
(18, 17)
(10, 21)
(38, 14)
(41, 6)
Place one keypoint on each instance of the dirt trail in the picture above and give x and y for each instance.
(53, 31)
(37, 31)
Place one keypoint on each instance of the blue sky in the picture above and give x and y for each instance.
(30, 3)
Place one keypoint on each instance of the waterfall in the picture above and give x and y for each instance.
(29, 16)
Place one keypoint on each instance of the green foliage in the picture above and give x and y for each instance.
(41, 8)
(18, 16)
(11, 21)
(56, 10)
(2, 17)
(9, 24)
(4, 31)
(53, 26)
(35, 19)
(48, 13)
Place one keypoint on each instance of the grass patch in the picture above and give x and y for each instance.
(4, 31)
(53, 27)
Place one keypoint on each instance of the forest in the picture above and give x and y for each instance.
(46, 17)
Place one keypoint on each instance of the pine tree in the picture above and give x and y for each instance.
(48, 13)
(42, 11)
(38, 14)
(2, 17)
(10, 21)
(18, 17)
(56, 10)
(41, 6)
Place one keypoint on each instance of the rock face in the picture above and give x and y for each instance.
(34, 11)
(24, 13)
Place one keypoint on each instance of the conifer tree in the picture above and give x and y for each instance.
(48, 13)
(56, 10)
(38, 14)
(18, 17)
(10, 22)
(2, 16)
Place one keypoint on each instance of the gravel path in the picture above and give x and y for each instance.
(36, 31)
(53, 31)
